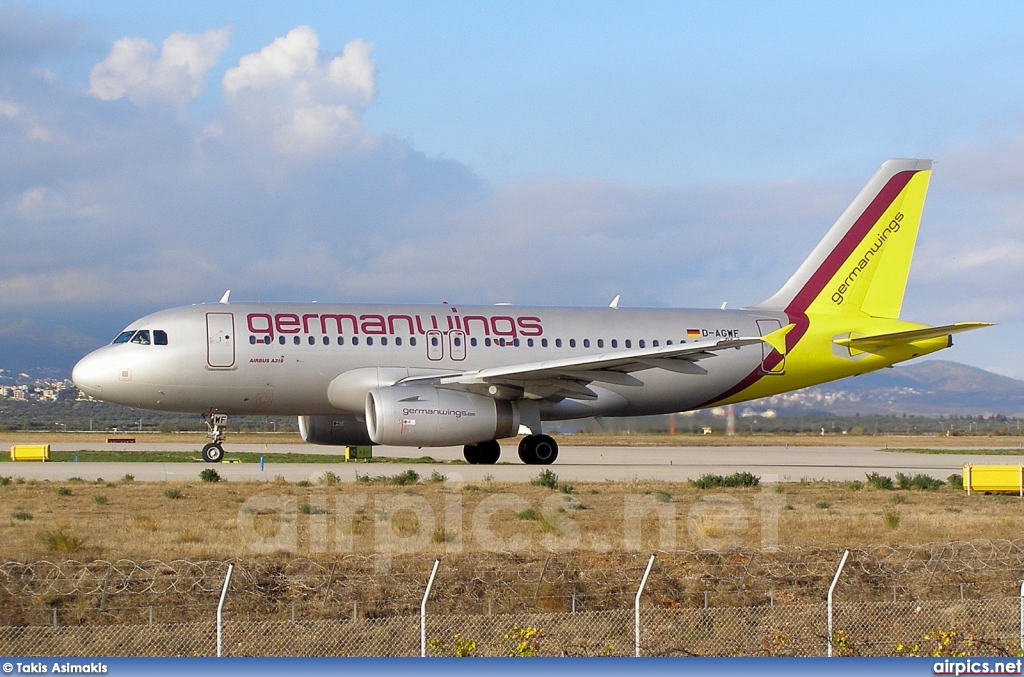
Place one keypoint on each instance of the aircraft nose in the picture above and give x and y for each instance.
(89, 374)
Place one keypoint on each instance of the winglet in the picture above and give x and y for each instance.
(777, 339)
(224, 299)
(615, 302)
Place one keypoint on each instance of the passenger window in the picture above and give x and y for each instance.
(160, 337)
(668, 342)
(642, 344)
(252, 340)
(327, 340)
(515, 342)
(472, 341)
(544, 343)
(123, 337)
(629, 344)
(341, 340)
(615, 343)
(529, 342)
(266, 340)
(384, 340)
(572, 343)
(600, 343)
(558, 343)
(369, 340)
(654, 343)
(296, 340)
(398, 340)
(458, 341)
(586, 343)
(412, 340)
(355, 340)
(433, 341)
(501, 342)
(280, 339)
(312, 340)
(487, 342)
(141, 337)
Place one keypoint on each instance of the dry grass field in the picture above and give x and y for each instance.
(200, 520)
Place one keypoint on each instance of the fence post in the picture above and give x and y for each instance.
(831, 588)
(1021, 644)
(220, 609)
(423, 611)
(636, 604)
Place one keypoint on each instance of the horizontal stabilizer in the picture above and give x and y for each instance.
(866, 343)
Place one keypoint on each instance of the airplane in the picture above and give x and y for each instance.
(444, 375)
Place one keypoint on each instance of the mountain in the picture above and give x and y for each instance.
(926, 388)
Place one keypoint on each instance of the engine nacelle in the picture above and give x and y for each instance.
(339, 431)
(424, 416)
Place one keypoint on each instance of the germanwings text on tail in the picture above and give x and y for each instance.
(446, 375)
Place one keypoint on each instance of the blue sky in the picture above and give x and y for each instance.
(547, 153)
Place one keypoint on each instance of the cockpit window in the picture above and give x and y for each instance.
(123, 337)
(160, 337)
(141, 337)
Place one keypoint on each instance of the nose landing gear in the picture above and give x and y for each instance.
(214, 452)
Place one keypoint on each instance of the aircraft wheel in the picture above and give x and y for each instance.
(213, 453)
(538, 450)
(472, 453)
(490, 452)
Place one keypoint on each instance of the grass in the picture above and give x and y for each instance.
(141, 456)
(99, 500)
(401, 479)
(140, 521)
(21, 515)
(891, 518)
(63, 491)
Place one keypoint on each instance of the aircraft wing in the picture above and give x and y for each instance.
(568, 377)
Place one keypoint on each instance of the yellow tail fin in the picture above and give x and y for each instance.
(861, 265)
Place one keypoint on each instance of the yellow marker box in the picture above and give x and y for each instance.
(1006, 478)
(30, 452)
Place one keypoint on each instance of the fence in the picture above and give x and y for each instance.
(963, 597)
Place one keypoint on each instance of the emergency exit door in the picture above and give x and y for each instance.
(220, 340)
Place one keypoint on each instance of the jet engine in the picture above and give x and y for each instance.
(340, 431)
(424, 416)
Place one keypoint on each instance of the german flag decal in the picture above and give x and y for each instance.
(692, 332)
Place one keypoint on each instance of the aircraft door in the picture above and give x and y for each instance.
(457, 344)
(435, 345)
(771, 362)
(220, 340)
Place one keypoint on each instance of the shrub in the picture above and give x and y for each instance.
(210, 475)
(662, 497)
(822, 505)
(330, 479)
(892, 518)
(303, 483)
(307, 509)
(60, 540)
(737, 479)
(925, 483)
(99, 500)
(63, 491)
(879, 481)
(21, 515)
(546, 478)
(172, 493)
(566, 488)
(956, 480)
(128, 477)
(528, 514)
(899, 498)
(4, 481)
(437, 477)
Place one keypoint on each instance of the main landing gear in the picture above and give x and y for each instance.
(538, 450)
(485, 453)
(214, 452)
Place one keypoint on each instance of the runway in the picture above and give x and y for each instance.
(574, 464)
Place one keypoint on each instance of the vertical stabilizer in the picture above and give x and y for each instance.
(861, 265)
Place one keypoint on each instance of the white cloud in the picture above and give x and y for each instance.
(135, 71)
(300, 102)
